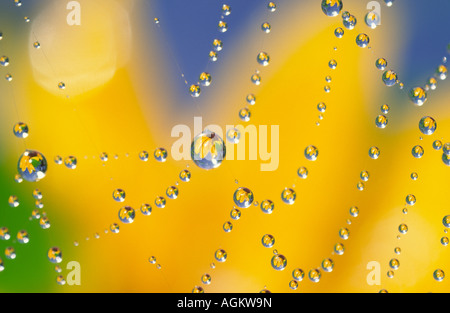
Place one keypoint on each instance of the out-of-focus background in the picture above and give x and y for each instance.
(125, 91)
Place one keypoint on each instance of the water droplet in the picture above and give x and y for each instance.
(233, 135)
(245, 114)
(160, 202)
(58, 160)
(288, 196)
(266, 27)
(418, 95)
(417, 151)
(70, 162)
(362, 40)
(272, 6)
(365, 175)
(374, 153)
(432, 83)
(44, 222)
(206, 279)
(322, 107)
(279, 262)
(256, 79)
(394, 264)
(311, 153)
(221, 255)
(381, 121)
(198, 289)
(268, 241)
(350, 22)
(54, 255)
(226, 9)
(104, 156)
(437, 145)
(119, 195)
(446, 159)
(427, 125)
(243, 197)
(39, 204)
(441, 72)
(332, 64)
(4, 61)
(267, 206)
(298, 274)
(439, 275)
(208, 150)
(446, 221)
(227, 227)
(146, 209)
(332, 7)
(251, 99)
(13, 201)
(172, 192)
(354, 211)
(235, 214)
(372, 19)
(126, 215)
(293, 285)
(263, 59)
(389, 78)
(446, 148)
(4, 233)
(115, 228)
(315, 275)
(411, 199)
(360, 186)
(194, 91)
(381, 64)
(205, 79)
(414, 176)
(328, 265)
(217, 45)
(344, 233)
(32, 166)
(222, 26)
(403, 228)
(20, 130)
(302, 172)
(339, 32)
(213, 56)
(339, 249)
(444, 241)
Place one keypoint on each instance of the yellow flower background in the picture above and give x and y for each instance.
(124, 93)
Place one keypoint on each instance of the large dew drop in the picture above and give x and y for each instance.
(208, 150)
(332, 7)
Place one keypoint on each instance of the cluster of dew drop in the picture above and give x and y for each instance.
(32, 164)
(205, 78)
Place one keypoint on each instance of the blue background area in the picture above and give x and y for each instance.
(190, 38)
